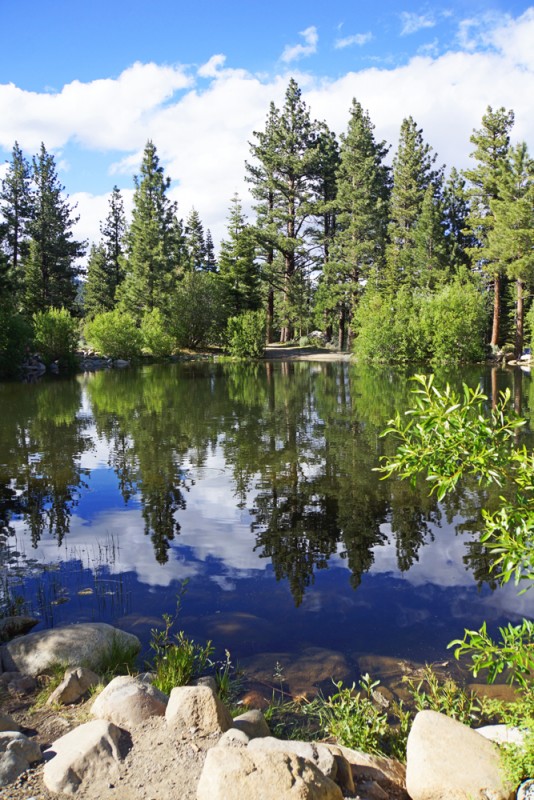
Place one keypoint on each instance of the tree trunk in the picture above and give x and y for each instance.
(270, 316)
(496, 310)
(341, 328)
(519, 313)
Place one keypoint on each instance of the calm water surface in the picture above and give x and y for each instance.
(256, 484)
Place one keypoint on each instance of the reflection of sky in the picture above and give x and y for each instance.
(233, 596)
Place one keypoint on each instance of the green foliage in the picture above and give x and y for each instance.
(114, 334)
(246, 334)
(15, 336)
(514, 653)
(55, 336)
(387, 327)
(448, 437)
(177, 659)
(118, 659)
(447, 697)
(354, 719)
(196, 312)
(156, 337)
(453, 323)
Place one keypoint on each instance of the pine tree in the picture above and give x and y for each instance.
(151, 240)
(492, 144)
(237, 262)
(211, 261)
(16, 208)
(363, 187)
(430, 250)
(455, 214)
(413, 174)
(195, 242)
(510, 241)
(106, 264)
(284, 183)
(50, 269)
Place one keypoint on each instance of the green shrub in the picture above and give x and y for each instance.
(114, 334)
(246, 334)
(156, 337)
(15, 336)
(387, 327)
(453, 323)
(197, 311)
(55, 336)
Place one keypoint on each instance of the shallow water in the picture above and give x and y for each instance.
(256, 484)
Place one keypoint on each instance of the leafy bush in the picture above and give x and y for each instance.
(448, 437)
(15, 336)
(156, 337)
(114, 334)
(196, 311)
(246, 334)
(55, 335)
(453, 323)
(388, 327)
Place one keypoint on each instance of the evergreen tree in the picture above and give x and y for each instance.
(413, 174)
(16, 208)
(50, 269)
(455, 214)
(510, 241)
(284, 183)
(195, 242)
(211, 261)
(492, 144)
(362, 216)
(105, 268)
(237, 262)
(430, 251)
(151, 240)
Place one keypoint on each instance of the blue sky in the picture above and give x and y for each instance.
(95, 80)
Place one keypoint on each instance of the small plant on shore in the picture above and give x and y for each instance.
(447, 697)
(177, 658)
(228, 678)
(120, 658)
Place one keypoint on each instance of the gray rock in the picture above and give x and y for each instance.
(437, 747)
(72, 645)
(127, 701)
(233, 738)
(21, 685)
(197, 707)
(17, 752)
(75, 685)
(252, 723)
(241, 773)
(318, 754)
(88, 753)
(206, 680)
(503, 734)
(368, 770)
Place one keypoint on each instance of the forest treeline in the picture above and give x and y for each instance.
(400, 263)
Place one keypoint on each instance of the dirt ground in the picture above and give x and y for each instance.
(158, 766)
(296, 353)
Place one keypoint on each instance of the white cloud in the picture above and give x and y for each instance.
(411, 23)
(296, 51)
(202, 132)
(356, 39)
(211, 68)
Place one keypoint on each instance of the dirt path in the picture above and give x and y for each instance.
(296, 353)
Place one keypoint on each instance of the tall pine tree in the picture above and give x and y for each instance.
(16, 207)
(50, 269)
(238, 267)
(151, 241)
(492, 143)
(105, 268)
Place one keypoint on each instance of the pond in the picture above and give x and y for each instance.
(255, 484)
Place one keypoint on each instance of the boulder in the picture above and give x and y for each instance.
(449, 761)
(72, 645)
(233, 738)
(15, 626)
(90, 752)
(17, 752)
(75, 684)
(317, 754)
(126, 701)
(246, 774)
(370, 771)
(503, 734)
(197, 707)
(252, 723)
